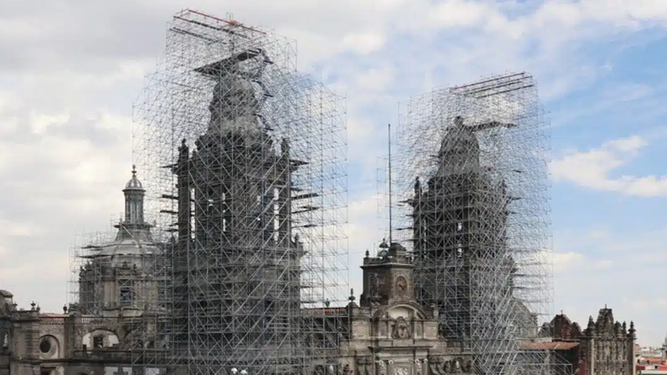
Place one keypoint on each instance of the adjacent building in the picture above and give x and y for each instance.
(604, 347)
(96, 335)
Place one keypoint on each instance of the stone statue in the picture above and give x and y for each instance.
(433, 366)
(401, 329)
(367, 369)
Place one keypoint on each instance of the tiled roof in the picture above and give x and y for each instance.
(553, 345)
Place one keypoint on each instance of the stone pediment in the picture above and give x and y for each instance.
(405, 310)
(402, 321)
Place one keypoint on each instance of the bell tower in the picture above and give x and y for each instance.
(388, 277)
(391, 333)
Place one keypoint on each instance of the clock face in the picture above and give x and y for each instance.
(401, 284)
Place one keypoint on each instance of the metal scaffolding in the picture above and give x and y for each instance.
(113, 274)
(244, 162)
(472, 189)
(86, 267)
(108, 273)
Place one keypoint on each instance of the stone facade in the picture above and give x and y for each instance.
(390, 333)
(605, 347)
(61, 344)
(94, 336)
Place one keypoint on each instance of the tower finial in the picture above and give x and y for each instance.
(134, 170)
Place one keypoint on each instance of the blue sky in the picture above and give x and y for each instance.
(69, 73)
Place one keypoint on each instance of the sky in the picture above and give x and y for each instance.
(70, 71)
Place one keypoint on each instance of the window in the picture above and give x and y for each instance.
(125, 296)
(98, 342)
(45, 346)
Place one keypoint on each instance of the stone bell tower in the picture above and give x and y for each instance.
(387, 277)
(391, 333)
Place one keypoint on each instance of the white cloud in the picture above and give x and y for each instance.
(640, 305)
(375, 79)
(63, 173)
(567, 261)
(593, 169)
(457, 13)
(14, 228)
(603, 264)
(617, 269)
(41, 122)
(363, 43)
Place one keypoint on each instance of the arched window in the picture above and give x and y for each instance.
(98, 341)
(126, 294)
(4, 340)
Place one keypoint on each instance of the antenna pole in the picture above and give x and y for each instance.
(390, 207)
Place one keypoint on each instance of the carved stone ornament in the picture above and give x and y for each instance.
(401, 329)
(364, 366)
(375, 283)
(381, 368)
(401, 285)
(401, 371)
(442, 366)
(418, 367)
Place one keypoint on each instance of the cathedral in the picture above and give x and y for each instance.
(389, 330)
(226, 290)
(231, 291)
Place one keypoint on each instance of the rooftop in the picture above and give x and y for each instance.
(554, 345)
(134, 183)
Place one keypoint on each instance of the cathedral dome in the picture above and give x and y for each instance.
(134, 183)
(459, 151)
(459, 139)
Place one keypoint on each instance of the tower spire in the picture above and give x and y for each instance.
(134, 200)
